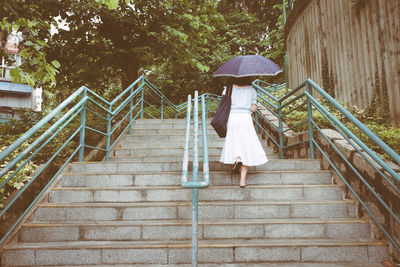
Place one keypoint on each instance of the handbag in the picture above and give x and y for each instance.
(221, 116)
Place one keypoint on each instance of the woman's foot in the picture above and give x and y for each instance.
(243, 173)
(236, 166)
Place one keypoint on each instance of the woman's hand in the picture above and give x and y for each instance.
(253, 107)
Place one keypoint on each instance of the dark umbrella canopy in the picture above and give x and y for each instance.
(251, 65)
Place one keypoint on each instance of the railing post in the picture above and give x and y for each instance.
(310, 126)
(195, 197)
(108, 141)
(208, 105)
(83, 126)
(185, 164)
(280, 130)
(256, 114)
(195, 136)
(206, 167)
(141, 103)
(162, 107)
(131, 112)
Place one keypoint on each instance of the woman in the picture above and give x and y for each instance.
(242, 147)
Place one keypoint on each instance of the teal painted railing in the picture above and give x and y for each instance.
(209, 103)
(141, 99)
(302, 98)
(279, 108)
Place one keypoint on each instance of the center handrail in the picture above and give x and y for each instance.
(195, 184)
(185, 165)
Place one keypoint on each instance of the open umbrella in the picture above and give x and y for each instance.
(250, 65)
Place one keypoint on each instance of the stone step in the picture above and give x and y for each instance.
(161, 151)
(213, 251)
(173, 131)
(66, 195)
(291, 264)
(172, 151)
(183, 210)
(133, 167)
(167, 121)
(174, 178)
(173, 144)
(166, 137)
(156, 158)
(169, 125)
(182, 230)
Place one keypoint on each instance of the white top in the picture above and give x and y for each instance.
(242, 98)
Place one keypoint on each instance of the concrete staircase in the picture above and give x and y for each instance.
(132, 210)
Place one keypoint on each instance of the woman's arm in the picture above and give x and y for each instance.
(253, 100)
(253, 107)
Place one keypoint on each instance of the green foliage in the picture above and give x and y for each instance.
(12, 130)
(112, 4)
(25, 17)
(389, 134)
(275, 40)
(32, 18)
(110, 42)
(23, 176)
(155, 112)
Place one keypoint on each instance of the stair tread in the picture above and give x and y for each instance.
(201, 222)
(163, 156)
(127, 188)
(201, 172)
(187, 203)
(291, 264)
(113, 162)
(216, 243)
(152, 134)
(176, 159)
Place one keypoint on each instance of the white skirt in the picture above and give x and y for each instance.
(242, 141)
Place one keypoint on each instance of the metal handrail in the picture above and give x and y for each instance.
(78, 103)
(303, 94)
(195, 184)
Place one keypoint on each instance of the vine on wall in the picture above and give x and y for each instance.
(359, 4)
(328, 79)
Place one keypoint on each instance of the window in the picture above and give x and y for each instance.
(5, 69)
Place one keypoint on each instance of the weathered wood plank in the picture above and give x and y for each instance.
(358, 49)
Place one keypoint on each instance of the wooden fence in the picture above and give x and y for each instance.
(352, 50)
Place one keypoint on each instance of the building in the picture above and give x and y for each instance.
(14, 96)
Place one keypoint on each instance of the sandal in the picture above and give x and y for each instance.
(243, 186)
(236, 167)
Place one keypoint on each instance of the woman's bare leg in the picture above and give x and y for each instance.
(243, 173)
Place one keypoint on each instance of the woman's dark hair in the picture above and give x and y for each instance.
(241, 81)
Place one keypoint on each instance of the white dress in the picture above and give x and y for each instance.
(241, 138)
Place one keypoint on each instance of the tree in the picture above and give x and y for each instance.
(103, 45)
(26, 18)
(108, 43)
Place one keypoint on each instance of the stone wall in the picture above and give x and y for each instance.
(371, 175)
